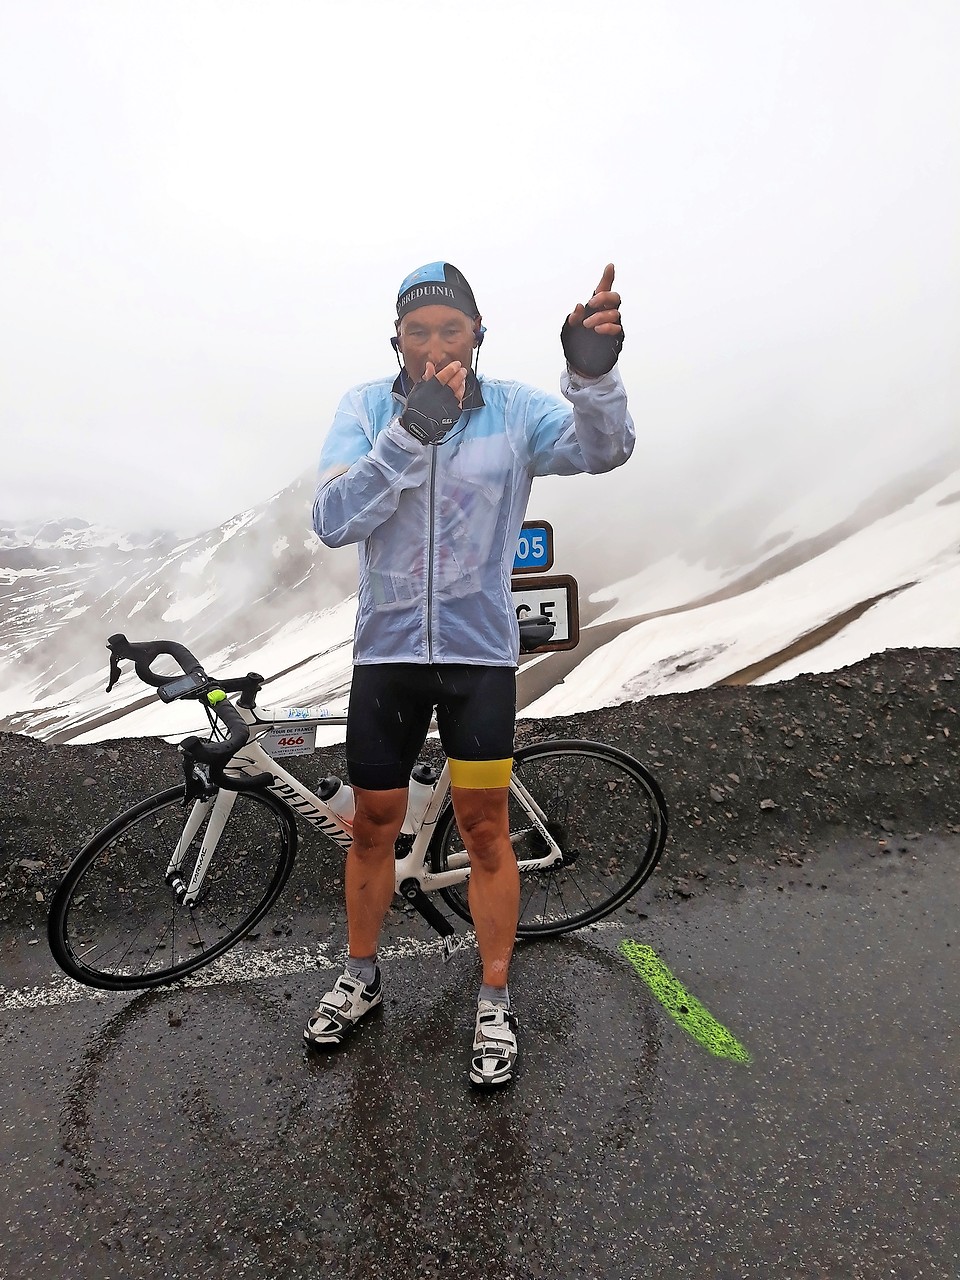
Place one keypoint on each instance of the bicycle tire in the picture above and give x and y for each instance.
(597, 800)
(115, 922)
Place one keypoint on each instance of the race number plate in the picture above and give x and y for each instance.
(290, 741)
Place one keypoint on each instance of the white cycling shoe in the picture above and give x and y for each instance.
(495, 1051)
(340, 1010)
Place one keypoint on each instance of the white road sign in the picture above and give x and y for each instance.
(557, 598)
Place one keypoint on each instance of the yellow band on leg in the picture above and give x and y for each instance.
(480, 774)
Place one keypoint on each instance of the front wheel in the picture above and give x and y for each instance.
(604, 812)
(123, 917)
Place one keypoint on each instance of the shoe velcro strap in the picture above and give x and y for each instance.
(501, 1035)
(335, 1001)
(350, 986)
(329, 1011)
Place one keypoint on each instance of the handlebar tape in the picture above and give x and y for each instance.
(218, 754)
(215, 754)
(143, 655)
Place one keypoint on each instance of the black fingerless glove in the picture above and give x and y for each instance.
(431, 411)
(587, 351)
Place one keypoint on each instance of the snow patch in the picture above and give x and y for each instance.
(183, 609)
(196, 564)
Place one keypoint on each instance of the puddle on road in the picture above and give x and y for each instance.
(624, 1147)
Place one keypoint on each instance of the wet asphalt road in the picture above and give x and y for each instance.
(187, 1133)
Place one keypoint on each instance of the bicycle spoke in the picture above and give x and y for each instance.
(526, 902)
(116, 922)
(605, 814)
(104, 952)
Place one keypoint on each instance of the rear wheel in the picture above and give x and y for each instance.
(604, 811)
(119, 921)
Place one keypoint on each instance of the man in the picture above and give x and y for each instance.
(430, 475)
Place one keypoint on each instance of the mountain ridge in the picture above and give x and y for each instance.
(259, 591)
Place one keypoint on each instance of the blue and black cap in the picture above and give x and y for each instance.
(436, 284)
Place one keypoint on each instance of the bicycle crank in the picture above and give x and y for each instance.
(413, 894)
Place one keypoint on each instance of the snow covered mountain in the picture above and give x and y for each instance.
(74, 535)
(64, 588)
(811, 603)
(801, 592)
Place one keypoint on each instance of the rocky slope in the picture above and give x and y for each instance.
(757, 778)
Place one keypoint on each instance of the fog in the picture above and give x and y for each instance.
(208, 209)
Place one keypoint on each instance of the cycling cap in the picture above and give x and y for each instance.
(436, 284)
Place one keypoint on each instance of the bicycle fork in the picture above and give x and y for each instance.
(188, 893)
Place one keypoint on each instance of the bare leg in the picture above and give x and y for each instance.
(369, 877)
(494, 887)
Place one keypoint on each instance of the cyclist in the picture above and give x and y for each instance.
(430, 474)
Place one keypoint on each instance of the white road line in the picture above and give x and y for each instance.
(239, 966)
(235, 966)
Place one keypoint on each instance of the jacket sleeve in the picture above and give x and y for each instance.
(596, 436)
(362, 475)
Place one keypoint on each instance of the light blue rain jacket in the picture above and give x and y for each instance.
(438, 527)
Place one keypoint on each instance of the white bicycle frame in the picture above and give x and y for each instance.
(253, 759)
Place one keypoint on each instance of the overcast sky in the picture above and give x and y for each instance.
(206, 210)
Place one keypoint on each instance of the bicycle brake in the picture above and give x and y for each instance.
(196, 779)
(114, 670)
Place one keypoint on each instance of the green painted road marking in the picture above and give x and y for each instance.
(683, 1008)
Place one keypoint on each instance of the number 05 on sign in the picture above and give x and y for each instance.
(557, 599)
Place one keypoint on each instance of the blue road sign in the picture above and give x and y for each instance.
(534, 547)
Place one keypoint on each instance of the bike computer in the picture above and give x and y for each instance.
(181, 686)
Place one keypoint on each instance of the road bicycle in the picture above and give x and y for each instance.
(178, 879)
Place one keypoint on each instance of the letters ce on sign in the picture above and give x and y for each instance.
(557, 599)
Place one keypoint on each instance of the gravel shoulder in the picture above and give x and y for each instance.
(756, 777)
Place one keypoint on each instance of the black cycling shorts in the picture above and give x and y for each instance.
(391, 705)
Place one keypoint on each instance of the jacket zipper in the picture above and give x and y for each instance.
(430, 516)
